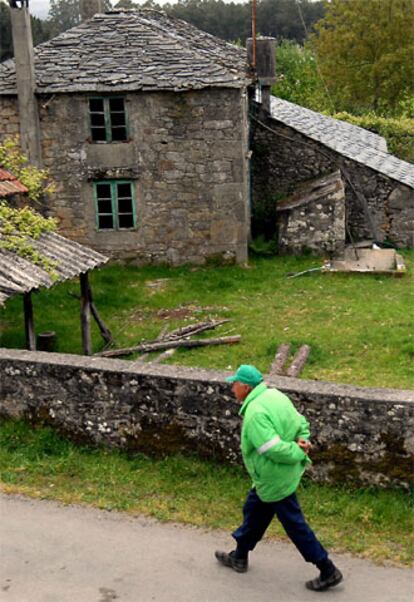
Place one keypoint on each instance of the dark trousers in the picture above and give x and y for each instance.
(258, 516)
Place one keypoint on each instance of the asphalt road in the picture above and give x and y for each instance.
(55, 553)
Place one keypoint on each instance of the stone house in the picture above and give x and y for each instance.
(292, 146)
(143, 121)
(143, 126)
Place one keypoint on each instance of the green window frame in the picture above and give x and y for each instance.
(108, 119)
(115, 205)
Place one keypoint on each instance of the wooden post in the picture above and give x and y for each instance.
(28, 322)
(85, 314)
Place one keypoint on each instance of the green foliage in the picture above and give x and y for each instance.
(35, 179)
(232, 21)
(19, 226)
(64, 14)
(298, 79)
(40, 31)
(374, 523)
(365, 51)
(398, 132)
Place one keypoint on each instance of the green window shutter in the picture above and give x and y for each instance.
(115, 205)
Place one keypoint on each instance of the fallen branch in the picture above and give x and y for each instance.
(280, 359)
(192, 329)
(299, 361)
(159, 345)
(304, 272)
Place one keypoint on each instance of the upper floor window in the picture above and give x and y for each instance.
(115, 205)
(108, 119)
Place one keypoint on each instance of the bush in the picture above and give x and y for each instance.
(398, 132)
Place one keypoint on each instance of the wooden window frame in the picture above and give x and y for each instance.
(107, 118)
(114, 205)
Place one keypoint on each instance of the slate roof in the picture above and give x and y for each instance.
(129, 50)
(351, 141)
(9, 184)
(20, 275)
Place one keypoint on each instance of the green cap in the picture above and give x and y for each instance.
(249, 375)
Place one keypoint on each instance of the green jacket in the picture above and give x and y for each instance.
(271, 426)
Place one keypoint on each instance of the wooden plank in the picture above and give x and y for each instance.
(29, 322)
(280, 360)
(85, 314)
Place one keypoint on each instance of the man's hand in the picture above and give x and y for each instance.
(304, 445)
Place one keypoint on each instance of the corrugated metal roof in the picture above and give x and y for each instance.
(20, 275)
(130, 50)
(351, 141)
(9, 184)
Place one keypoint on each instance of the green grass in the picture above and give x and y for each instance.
(360, 328)
(373, 523)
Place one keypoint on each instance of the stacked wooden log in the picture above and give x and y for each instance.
(299, 360)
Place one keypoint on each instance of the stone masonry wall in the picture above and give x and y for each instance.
(186, 153)
(313, 219)
(361, 436)
(283, 158)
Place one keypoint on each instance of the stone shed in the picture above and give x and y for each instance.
(143, 126)
(293, 145)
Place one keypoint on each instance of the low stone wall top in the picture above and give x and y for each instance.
(360, 435)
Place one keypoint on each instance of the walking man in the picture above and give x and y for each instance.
(275, 446)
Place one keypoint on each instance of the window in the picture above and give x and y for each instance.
(108, 119)
(115, 206)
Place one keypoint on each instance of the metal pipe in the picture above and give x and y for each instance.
(254, 34)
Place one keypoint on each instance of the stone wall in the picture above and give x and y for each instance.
(186, 153)
(361, 436)
(313, 218)
(283, 157)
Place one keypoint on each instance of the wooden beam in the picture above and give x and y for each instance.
(28, 322)
(85, 314)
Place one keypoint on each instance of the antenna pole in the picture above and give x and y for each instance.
(254, 34)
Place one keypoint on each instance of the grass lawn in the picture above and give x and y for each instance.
(373, 523)
(360, 328)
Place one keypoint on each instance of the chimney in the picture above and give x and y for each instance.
(25, 81)
(89, 8)
(265, 66)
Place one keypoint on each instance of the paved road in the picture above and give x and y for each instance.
(55, 553)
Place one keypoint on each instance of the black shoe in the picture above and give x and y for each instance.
(320, 584)
(239, 565)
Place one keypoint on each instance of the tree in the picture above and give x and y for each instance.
(298, 79)
(40, 32)
(288, 19)
(366, 53)
(64, 14)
